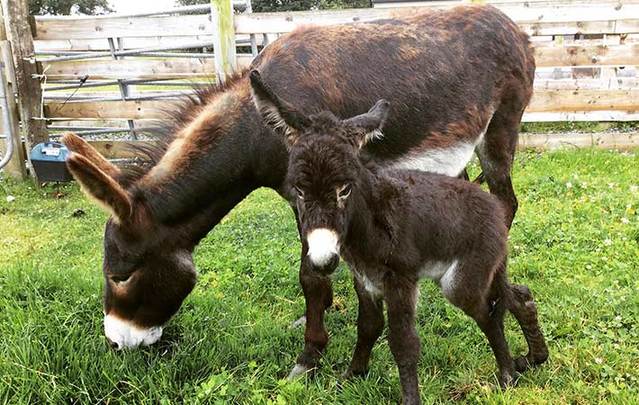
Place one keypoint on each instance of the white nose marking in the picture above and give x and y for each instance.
(126, 335)
(322, 245)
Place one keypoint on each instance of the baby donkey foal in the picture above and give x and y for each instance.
(394, 227)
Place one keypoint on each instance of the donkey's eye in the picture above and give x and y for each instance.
(120, 278)
(300, 193)
(344, 192)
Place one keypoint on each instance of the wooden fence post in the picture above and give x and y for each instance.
(223, 38)
(10, 128)
(18, 26)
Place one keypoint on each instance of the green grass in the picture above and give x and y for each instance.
(575, 242)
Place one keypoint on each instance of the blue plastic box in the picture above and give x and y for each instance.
(49, 162)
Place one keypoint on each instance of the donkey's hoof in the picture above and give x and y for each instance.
(350, 374)
(298, 323)
(507, 379)
(298, 371)
(523, 363)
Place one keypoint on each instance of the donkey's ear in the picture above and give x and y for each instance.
(81, 147)
(371, 122)
(277, 113)
(101, 187)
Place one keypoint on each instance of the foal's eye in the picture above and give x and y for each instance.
(300, 193)
(120, 278)
(344, 192)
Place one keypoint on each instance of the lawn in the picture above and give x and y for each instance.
(575, 242)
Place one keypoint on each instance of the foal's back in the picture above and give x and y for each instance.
(443, 219)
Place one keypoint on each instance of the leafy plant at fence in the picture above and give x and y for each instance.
(65, 7)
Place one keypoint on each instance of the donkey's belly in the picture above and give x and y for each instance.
(449, 161)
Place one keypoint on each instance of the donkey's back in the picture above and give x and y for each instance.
(444, 72)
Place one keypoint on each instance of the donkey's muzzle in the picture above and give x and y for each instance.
(323, 250)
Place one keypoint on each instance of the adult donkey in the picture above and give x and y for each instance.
(458, 82)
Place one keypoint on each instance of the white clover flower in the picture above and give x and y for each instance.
(607, 242)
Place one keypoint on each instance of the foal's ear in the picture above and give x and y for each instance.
(277, 113)
(101, 187)
(82, 147)
(370, 122)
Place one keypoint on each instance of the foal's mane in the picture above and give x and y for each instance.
(160, 135)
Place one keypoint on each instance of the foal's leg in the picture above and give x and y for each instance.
(400, 295)
(370, 325)
(487, 306)
(524, 309)
(318, 295)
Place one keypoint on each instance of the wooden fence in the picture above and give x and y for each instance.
(115, 74)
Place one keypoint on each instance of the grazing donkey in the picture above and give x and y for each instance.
(458, 80)
(394, 227)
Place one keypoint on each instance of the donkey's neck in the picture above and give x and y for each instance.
(210, 165)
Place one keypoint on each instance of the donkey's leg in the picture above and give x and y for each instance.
(487, 306)
(400, 295)
(370, 325)
(524, 309)
(318, 295)
(496, 153)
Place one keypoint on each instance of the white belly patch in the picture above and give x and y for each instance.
(443, 273)
(371, 287)
(450, 161)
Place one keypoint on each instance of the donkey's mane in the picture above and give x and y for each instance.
(148, 154)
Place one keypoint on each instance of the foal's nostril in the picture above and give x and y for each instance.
(114, 345)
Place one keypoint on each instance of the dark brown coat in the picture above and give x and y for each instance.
(446, 74)
(394, 228)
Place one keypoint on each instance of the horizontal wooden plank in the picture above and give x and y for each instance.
(99, 69)
(588, 116)
(596, 83)
(543, 101)
(606, 140)
(552, 21)
(135, 110)
(584, 100)
(101, 44)
(140, 68)
(587, 55)
(118, 149)
(65, 28)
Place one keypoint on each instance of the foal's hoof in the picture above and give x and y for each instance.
(298, 371)
(508, 379)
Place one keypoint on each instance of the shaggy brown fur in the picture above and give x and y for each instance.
(395, 227)
(449, 75)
